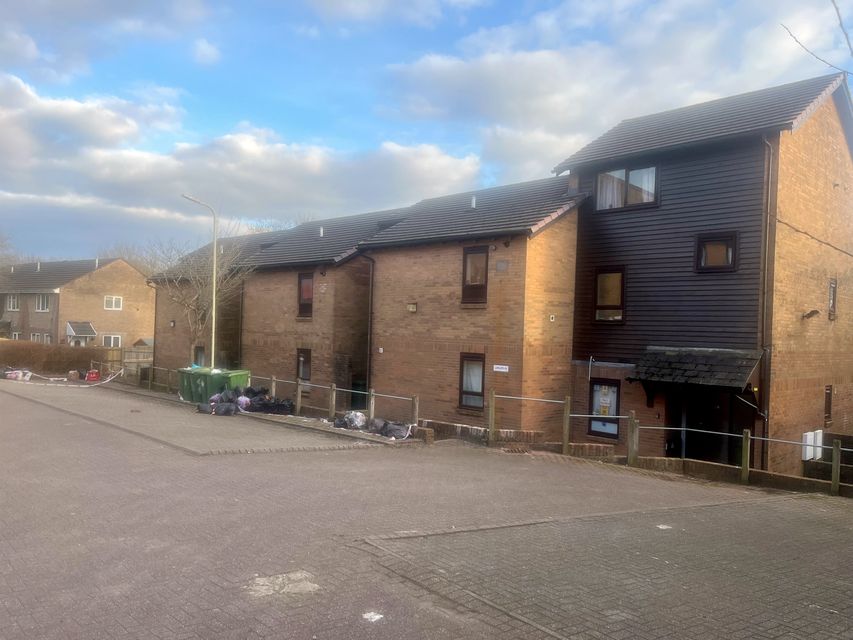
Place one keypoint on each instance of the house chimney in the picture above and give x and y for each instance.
(38, 265)
(96, 262)
(321, 232)
(473, 202)
(12, 269)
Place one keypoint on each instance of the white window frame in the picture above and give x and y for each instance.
(35, 337)
(42, 298)
(13, 302)
(115, 303)
(46, 339)
(113, 340)
(16, 335)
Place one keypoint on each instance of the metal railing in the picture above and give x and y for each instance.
(746, 438)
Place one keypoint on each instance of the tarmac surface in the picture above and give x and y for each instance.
(116, 522)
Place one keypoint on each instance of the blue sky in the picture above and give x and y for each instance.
(318, 108)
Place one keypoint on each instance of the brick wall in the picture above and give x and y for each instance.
(83, 300)
(814, 194)
(173, 348)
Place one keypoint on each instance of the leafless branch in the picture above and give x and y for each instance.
(812, 53)
(842, 27)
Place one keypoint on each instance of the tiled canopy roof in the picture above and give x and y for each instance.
(711, 367)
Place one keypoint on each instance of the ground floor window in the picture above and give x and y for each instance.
(472, 370)
(112, 341)
(35, 337)
(604, 401)
(303, 364)
(16, 335)
(47, 338)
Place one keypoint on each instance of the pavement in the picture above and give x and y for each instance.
(114, 524)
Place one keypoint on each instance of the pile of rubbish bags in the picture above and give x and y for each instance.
(357, 421)
(249, 400)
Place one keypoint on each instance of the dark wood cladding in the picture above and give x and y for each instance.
(667, 301)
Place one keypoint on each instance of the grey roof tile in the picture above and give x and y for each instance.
(505, 210)
(709, 367)
(36, 276)
(775, 108)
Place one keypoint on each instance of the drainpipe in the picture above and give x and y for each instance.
(370, 320)
(766, 297)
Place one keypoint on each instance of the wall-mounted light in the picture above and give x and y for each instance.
(811, 314)
(412, 307)
(171, 323)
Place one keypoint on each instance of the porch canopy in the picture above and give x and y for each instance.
(711, 367)
(81, 330)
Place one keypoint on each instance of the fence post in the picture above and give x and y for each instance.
(151, 372)
(371, 404)
(333, 400)
(168, 381)
(492, 408)
(633, 440)
(298, 409)
(415, 409)
(272, 387)
(835, 486)
(567, 424)
(744, 457)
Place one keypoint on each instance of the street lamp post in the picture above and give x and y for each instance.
(213, 283)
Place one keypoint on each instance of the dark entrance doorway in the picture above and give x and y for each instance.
(718, 410)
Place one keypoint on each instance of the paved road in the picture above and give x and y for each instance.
(108, 534)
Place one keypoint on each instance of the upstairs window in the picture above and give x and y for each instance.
(306, 295)
(716, 252)
(13, 303)
(609, 295)
(622, 188)
(112, 303)
(472, 368)
(303, 364)
(475, 268)
(42, 302)
(833, 297)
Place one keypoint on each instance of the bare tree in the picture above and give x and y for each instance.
(186, 279)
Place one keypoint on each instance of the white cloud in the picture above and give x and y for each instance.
(78, 156)
(205, 52)
(421, 12)
(540, 88)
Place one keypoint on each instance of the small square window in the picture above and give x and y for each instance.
(472, 369)
(716, 252)
(16, 335)
(303, 364)
(113, 303)
(306, 295)
(13, 303)
(604, 401)
(47, 338)
(112, 341)
(833, 298)
(609, 295)
(475, 274)
(35, 337)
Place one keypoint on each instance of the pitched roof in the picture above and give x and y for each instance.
(513, 209)
(324, 241)
(36, 276)
(81, 329)
(776, 108)
(709, 367)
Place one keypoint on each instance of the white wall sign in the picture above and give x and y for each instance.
(502, 368)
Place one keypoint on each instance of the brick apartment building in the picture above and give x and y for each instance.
(693, 266)
(474, 291)
(302, 310)
(714, 271)
(99, 302)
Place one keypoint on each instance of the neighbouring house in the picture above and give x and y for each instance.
(474, 291)
(99, 302)
(715, 268)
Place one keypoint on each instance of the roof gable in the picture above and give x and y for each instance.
(772, 109)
